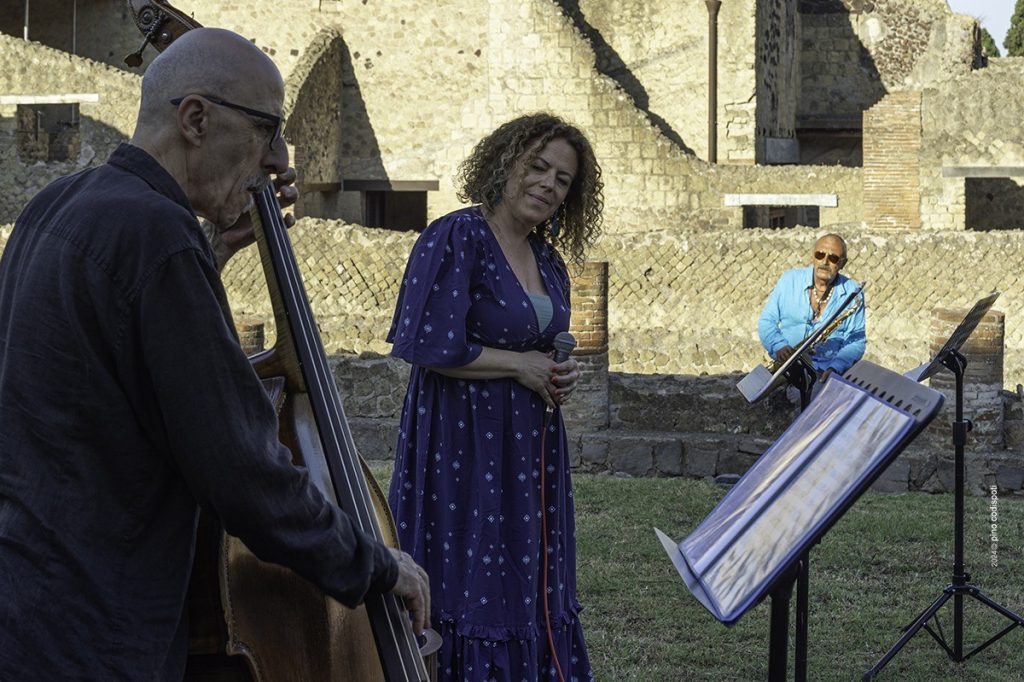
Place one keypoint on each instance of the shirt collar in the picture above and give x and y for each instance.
(135, 160)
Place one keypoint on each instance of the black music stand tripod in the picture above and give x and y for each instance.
(803, 377)
(960, 586)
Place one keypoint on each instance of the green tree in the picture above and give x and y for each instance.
(988, 44)
(1014, 42)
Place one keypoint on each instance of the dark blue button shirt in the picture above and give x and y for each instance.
(125, 404)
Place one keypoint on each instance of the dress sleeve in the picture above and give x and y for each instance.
(429, 326)
(221, 431)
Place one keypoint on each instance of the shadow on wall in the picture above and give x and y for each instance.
(994, 203)
(611, 64)
(360, 153)
(330, 126)
(839, 80)
(41, 143)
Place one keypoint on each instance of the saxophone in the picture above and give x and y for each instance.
(774, 365)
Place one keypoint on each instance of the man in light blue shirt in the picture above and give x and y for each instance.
(802, 299)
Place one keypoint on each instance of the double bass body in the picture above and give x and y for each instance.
(254, 621)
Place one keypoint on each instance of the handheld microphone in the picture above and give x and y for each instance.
(564, 343)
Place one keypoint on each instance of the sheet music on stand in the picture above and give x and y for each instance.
(800, 487)
(957, 339)
(760, 382)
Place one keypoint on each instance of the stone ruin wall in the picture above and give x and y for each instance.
(852, 52)
(650, 182)
(664, 207)
(970, 121)
(660, 51)
(679, 304)
(686, 284)
(31, 70)
(682, 318)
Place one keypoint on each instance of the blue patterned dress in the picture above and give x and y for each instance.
(466, 485)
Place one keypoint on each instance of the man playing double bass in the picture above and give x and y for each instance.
(126, 403)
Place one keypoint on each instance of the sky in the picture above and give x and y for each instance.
(994, 15)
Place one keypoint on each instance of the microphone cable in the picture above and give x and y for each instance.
(548, 416)
(563, 342)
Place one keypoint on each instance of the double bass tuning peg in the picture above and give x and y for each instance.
(135, 58)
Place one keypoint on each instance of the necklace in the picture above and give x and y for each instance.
(820, 299)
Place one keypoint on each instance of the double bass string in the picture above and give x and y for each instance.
(301, 321)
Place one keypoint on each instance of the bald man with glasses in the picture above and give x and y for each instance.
(126, 402)
(805, 297)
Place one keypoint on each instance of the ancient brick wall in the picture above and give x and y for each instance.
(401, 90)
(968, 123)
(854, 51)
(892, 162)
(31, 70)
(659, 52)
(678, 303)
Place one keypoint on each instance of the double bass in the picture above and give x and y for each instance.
(259, 622)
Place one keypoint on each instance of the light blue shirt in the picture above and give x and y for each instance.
(787, 319)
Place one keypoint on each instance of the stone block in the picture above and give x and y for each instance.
(922, 470)
(374, 438)
(668, 457)
(701, 461)
(1010, 478)
(735, 462)
(594, 451)
(630, 456)
(894, 479)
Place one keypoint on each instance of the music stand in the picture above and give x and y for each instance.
(750, 544)
(796, 370)
(949, 356)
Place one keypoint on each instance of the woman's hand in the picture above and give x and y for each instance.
(565, 377)
(535, 370)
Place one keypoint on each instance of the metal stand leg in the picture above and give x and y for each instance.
(960, 585)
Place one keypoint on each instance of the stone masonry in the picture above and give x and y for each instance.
(400, 91)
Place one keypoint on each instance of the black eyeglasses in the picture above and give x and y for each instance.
(832, 258)
(276, 120)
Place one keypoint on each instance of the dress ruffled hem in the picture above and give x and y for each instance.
(500, 633)
(477, 653)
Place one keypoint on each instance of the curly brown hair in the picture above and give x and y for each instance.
(483, 175)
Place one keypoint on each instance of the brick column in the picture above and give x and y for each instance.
(983, 378)
(588, 408)
(892, 166)
(250, 333)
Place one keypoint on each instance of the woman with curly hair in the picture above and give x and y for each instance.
(481, 442)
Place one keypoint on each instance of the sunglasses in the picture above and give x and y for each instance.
(832, 258)
(276, 120)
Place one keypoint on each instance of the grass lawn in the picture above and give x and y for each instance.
(882, 564)
(875, 571)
